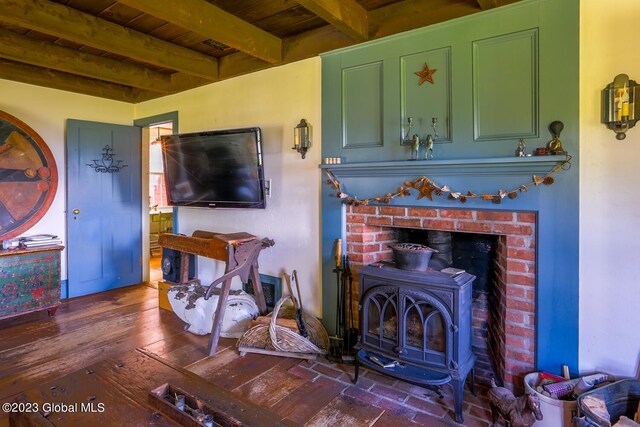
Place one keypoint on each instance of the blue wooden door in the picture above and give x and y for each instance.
(104, 217)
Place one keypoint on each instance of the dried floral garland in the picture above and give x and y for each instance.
(427, 188)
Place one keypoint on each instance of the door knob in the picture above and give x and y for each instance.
(76, 211)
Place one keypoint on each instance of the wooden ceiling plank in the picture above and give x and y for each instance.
(212, 22)
(50, 55)
(79, 27)
(58, 80)
(487, 4)
(346, 15)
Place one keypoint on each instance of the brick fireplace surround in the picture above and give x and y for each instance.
(507, 315)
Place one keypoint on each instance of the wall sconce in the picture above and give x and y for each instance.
(302, 137)
(620, 105)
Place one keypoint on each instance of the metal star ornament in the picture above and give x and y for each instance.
(426, 75)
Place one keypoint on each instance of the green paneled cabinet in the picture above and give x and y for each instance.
(497, 75)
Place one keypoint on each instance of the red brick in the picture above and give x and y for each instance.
(435, 224)
(362, 258)
(325, 370)
(389, 392)
(371, 210)
(429, 420)
(520, 331)
(299, 371)
(387, 210)
(514, 291)
(359, 228)
(480, 412)
(520, 305)
(516, 241)
(385, 236)
(414, 390)
(407, 222)
(363, 249)
(516, 368)
(524, 230)
(518, 343)
(494, 216)
(518, 267)
(524, 254)
(519, 356)
(480, 314)
(361, 238)
(426, 406)
(361, 395)
(521, 279)
(456, 213)
(423, 212)
(526, 217)
(380, 379)
(475, 227)
(356, 218)
(515, 317)
(379, 220)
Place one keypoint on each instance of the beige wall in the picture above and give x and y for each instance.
(609, 195)
(275, 100)
(46, 111)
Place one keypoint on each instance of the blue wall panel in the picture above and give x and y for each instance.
(551, 29)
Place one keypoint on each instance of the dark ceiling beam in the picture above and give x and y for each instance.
(212, 22)
(38, 76)
(346, 15)
(50, 55)
(384, 21)
(487, 4)
(70, 24)
(411, 14)
(302, 46)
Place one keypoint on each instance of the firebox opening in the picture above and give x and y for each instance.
(469, 251)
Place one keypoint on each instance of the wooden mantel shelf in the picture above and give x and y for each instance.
(477, 166)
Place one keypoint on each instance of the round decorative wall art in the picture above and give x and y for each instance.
(28, 177)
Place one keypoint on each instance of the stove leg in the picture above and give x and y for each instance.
(357, 370)
(458, 388)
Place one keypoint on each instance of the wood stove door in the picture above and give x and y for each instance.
(426, 331)
(379, 319)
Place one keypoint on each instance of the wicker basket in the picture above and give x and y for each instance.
(278, 338)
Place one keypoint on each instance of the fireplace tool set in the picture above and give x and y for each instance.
(346, 335)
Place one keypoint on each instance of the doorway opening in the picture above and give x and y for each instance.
(157, 216)
(160, 213)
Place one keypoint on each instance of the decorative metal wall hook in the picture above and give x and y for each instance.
(105, 164)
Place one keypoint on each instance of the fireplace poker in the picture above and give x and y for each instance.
(335, 354)
(350, 333)
(298, 305)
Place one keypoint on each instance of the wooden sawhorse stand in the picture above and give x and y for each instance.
(240, 252)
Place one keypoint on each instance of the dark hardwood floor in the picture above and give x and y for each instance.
(35, 349)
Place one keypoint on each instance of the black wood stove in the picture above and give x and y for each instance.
(416, 326)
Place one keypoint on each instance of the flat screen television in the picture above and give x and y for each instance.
(215, 169)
